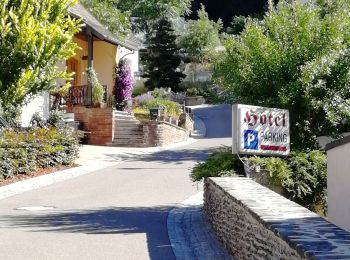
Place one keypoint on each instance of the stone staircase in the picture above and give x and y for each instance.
(128, 131)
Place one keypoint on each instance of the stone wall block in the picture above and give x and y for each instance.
(254, 222)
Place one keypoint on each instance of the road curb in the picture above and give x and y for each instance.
(199, 128)
(59, 176)
(48, 179)
(190, 233)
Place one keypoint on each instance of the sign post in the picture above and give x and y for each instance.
(260, 130)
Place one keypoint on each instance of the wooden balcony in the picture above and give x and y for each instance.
(76, 96)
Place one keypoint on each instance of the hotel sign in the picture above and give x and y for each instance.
(260, 130)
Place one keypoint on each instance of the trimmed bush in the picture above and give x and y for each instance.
(23, 152)
(307, 183)
(219, 164)
(303, 175)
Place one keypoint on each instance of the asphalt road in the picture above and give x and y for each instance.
(217, 120)
(116, 213)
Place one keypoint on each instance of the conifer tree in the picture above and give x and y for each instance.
(163, 59)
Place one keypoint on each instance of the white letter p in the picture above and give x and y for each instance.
(251, 138)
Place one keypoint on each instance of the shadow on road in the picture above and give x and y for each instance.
(119, 220)
(169, 156)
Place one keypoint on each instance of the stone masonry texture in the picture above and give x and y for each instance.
(97, 123)
(163, 133)
(254, 222)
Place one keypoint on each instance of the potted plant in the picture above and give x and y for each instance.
(97, 89)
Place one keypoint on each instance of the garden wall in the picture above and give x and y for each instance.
(338, 182)
(159, 133)
(194, 101)
(254, 222)
(97, 123)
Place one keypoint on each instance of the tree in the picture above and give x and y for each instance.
(145, 14)
(35, 36)
(121, 16)
(201, 37)
(107, 12)
(163, 59)
(237, 25)
(226, 9)
(123, 85)
(297, 58)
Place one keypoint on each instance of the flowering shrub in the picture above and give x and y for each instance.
(123, 85)
(143, 99)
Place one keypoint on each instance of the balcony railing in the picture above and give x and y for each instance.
(76, 95)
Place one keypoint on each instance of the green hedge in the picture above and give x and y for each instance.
(303, 175)
(25, 151)
(219, 164)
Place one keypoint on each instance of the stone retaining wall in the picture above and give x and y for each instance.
(194, 101)
(254, 222)
(97, 123)
(159, 133)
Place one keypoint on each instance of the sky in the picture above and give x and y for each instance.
(226, 9)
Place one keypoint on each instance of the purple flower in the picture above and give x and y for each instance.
(123, 83)
(143, 99)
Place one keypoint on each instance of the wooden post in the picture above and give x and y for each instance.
(90, 40)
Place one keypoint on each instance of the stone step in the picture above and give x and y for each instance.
(125, 118)
(128, 134)
(123, 115)
(126, 121)
(68, 117)
(127, 127)
(127, 144)
(127, 141)
(129, 130)
(116, 112)
(129, 138)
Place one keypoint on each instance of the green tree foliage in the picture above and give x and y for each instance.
(107, 12)
(35, 35)
(122, 16)
(237, 25)
(146, 13)
(163, 59)
(201, 37)
(298, 58)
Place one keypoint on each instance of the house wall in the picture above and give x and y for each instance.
(105, 63)
(338, 182)
(38, 103)
(131, 57)
(82, 64)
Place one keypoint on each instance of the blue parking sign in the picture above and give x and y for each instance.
(251, 139)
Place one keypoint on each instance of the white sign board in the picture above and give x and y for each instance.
(260, 130)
